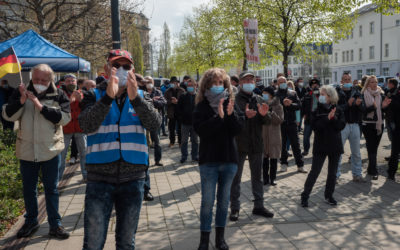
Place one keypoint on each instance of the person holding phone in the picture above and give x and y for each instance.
(115, 116)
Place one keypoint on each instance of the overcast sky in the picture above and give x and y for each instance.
(170, 11)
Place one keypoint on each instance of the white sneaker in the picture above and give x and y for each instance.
(283, 168)
(72, 160)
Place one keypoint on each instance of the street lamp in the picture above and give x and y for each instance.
(116, 30)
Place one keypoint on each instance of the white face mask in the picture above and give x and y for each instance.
(149, 86)
(122, 76)
(40, 88)
(301, 84)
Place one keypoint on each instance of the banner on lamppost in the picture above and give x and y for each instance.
(251, 40)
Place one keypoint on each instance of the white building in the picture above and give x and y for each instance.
(372, 48)
(318, 67)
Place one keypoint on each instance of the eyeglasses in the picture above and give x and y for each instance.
(125, 66)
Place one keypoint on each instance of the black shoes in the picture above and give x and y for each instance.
(273, 183)
(204, 239)
(331, 201)
(263, 212)
(219, 239)
(27, 230)
(148, 196)
(158, 164)
(59, 232)
(304, 153)
(182, 161)
(375, 177)
(304, 202)
(234, 216)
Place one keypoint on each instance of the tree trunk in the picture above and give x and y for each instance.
(285, 63)
(245, 65)
(198, 75)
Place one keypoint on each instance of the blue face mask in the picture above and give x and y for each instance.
(248, 87)
(290, 88)
(347, 85)
(322, 99)
(190, 89)
(283, 86)
(266, 97)
(217, 89)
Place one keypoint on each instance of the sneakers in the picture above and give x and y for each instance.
(72, 161)
(234, 216)
(59, 232)
(263, 212)
(27, 230)
(301, 170)
(359, 179)
(331, 201)
(283, 168)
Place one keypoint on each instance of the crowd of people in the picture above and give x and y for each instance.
(114, 121)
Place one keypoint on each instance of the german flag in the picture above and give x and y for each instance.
(9, 62)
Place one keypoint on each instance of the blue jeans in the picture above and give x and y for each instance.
(188, 130)
(352, 133)
(306, 137)
(212, 174)
(100, 198)
(80, 139)
(30, 173)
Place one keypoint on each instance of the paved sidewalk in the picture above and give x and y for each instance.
(367, 216)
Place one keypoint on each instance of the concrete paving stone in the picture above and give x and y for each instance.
(297, 231)
(72, 243)
(152, 240)
(314, 242)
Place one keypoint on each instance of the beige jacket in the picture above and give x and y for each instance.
(272, 132)
(38, 138)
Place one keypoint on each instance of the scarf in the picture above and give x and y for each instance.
(371, 96)
(214, 99)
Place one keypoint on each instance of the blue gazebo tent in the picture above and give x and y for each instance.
(33, 49)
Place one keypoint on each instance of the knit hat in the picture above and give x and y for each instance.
(270, 90)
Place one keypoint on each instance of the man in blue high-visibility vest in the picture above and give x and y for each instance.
(115, 116)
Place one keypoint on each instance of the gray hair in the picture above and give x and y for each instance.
(331, 92)
(44, 68)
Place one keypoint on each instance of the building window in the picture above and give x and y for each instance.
(343, 56)
(360, 30)
(371, 27)
(398, 22)
(351, 55)
(290, 60)
(295, 71)
(360, 54)
(371, 52)
(359, 74)
(371, 72)
(336, 57)
(347, 56)
(351, 34)
(295, 61)
(335, 76)
(386, 50)
(386, 71)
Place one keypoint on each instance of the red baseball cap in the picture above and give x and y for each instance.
(115, 54)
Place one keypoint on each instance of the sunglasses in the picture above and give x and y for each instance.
(125, 66)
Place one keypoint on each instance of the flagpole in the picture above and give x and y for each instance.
(19, 65)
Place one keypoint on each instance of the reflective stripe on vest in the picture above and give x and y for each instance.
(111, 141)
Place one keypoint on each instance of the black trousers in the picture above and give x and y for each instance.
(269, 169)
(290, 131)
(317, 163)
(174, 124)
(74, 148)
(394, 157)
(372, 140)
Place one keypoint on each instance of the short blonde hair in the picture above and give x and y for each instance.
(331, 92)
(44, 68)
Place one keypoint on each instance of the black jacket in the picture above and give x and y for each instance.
(327, 135)
(365, 110)
(184, 110)
(394, 108)
(250, 139)
(307, 104)
(352, 113)
(290, 111)
(301, 92)
(217, 136)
